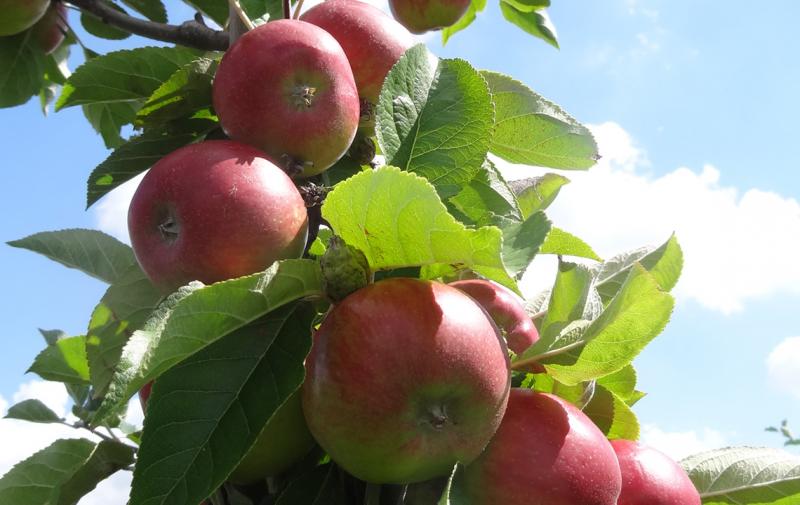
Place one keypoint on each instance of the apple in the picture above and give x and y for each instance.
(650, 477)
(214, 211)
(144, 395)
(371, 39)
(405, 378)
(546, 451)
(50, 31)
(287, 88)
(506, 310)
(16, 16)
(420, 16)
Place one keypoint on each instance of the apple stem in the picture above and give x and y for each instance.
(373, 494)
(297, 9)
(521, 364)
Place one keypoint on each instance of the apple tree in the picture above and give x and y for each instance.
(321, 300)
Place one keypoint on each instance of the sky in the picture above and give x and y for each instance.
(693, 106)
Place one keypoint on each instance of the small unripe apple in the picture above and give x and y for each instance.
(287, 88)
(372, 40)
(50, 31)
(546, 451)
(214, 211)
(16, 16)
(506, 310)
(405, 378)
(420, 16)
(650, 477)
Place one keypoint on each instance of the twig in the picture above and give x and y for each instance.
(287, 9)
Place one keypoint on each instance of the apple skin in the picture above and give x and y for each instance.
(371, 39)
(546, 451)
(16, 16)
(420, 16)
(650, 477)
(144, 395)
(49, 32)
(287, 88)
(214, 211)
(405, 378)
(506, 310)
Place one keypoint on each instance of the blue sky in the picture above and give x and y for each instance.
(694, 107)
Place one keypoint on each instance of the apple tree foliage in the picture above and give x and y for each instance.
(439, 207)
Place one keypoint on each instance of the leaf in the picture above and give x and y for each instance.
(63, 472)
(321, 486)
(475, 7)
(92, 252)
(567, 302)
(537, 193)
(636, 315)
(23, 67)
(623, 384)
(185, 92)
(63, 361)
(107, 119)
(534, 22)
(564, 243)
(745, 476)
(140, 153)
(123, 76)
(52, 336)
(33, 411)
(153, 10)
(100, 28)
(522, 240)
(397, 220)
(486, 197)
(196, 317)
(664, 262)
(612, 415)
(217, 10)
(205, 413)
(434, 118)
(533, 131)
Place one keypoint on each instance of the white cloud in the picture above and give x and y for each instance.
(111, 213)
(736, 243)
(783, 366)
(52, 394)
(679, 444)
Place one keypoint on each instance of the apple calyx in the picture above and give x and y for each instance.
(362, 150)
(292, 166)
(303, 96)
(436, 416)
(169, 229)
(345, 269)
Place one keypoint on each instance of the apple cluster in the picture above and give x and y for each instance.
(406, 378)
(45, 19)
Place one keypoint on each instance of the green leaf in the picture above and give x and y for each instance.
(63, 361)
(537, 193)
(190, 320)
(567, 302)
(185, 92)
(529, 5)
(522, 240)
(321, 486)
(612, 415)
(486, 197)
(33, 411)
(140, 153)
(636, 315)
(99, 28)
(92, 252)
(564, 243)
(217, 10)
(63, 472)
(534, 22)
(123, 76)
(397, 220)
(107, 119)
(23, 67)
(623, 384)
(153, 10)
(533, 131)
(475, 7)
(52, 336)
(434, 118)
(745, 476)
(206, 413)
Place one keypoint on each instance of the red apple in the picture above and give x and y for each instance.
(18, 15)
(506, 310)
(213, 211)
(405, 378)
(420, 16)
(144, 395)
(287, 88)
(372, 40)
(650, 477)
(50, 31)
(546, 451)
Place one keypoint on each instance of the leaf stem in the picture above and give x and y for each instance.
(297, 9)
(524, 363)
(241, 14)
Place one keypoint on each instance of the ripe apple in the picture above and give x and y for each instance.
(50, 31)
(405, 378)
(18, 15)
(213, 211)
(650, 477)
(546, 451)
(372, 40)
(144, 395)
(420, 16)
(287, 88)
(506, 310)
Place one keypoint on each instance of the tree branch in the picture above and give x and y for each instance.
(190, 33)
